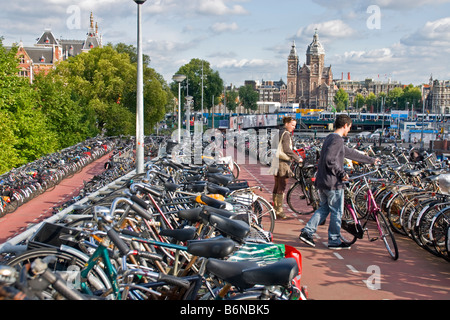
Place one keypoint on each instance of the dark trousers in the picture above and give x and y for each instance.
(280, 185)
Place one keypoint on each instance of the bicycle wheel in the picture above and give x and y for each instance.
(265, 214)
(64, 262)
(439, 231)
(314, 199)
(349, 228)
(386, 235)
(295, 198)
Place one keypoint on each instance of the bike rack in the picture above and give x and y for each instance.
(30, 231)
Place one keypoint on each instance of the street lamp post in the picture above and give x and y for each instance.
(179, 78)
(189, 100)
(140, 96)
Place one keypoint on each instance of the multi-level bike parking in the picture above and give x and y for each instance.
(176, 232)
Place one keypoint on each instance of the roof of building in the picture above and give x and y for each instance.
(315, 48)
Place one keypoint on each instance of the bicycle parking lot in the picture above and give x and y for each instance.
(364, 272)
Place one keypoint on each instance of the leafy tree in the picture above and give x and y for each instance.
(359, 101)
(394, 98)
(97, 80)
(232, 100)
(371, 101)
(27, 129)
(341, 100)
(65, 116)
(212, 83)
(412, 97)
(9, 157)
(248, 97)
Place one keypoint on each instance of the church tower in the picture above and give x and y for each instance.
(310, 84)
(292, 75)
(315, 58)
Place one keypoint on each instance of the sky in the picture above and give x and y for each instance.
(385, 40)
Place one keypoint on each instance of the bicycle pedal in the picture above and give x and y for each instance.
(374, 239)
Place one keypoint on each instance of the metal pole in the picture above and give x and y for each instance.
(179, 78)
(423, 116)
(140, 96)
(179, 112)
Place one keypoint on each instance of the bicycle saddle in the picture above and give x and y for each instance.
(246, 274)
(207, 210)
(179, 234)
(213, 202)
(211, 248)
(171, 186)
(219, 178)
(192, 215)
(279, 273)
(231, 271)
(235, 229)
(214, 188)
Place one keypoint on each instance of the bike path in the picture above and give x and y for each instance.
(365, 272)
(41, 207)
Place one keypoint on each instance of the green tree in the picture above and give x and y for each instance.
(371, 102)
(341, 100)
(412, 97)
(9, 157)
(98, 80)
(192, 86)
(232, 100)
(248, 98)
(359, 102)
(394, 99)
(27, 132)
(65, 116)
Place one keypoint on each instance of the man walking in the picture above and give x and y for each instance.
(329, 182)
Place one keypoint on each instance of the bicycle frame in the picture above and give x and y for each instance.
(373, 211)
(372, 207)
(101, 253)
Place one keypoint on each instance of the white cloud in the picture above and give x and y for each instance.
(434, 33)
(220, 27)
(219, 7)
(327, 30)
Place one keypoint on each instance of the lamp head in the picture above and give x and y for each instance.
(179, 77)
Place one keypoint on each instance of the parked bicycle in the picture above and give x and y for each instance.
(354, 228)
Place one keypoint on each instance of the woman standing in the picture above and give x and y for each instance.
(281, 164)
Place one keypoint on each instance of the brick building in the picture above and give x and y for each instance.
(48, 51)
(311, 84)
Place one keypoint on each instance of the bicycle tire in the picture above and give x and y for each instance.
(348, 237)
(64, 260)
(265, 213)
(439, 231)
(386, 234)
(295, 199)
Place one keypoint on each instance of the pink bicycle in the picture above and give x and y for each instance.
(353, 228)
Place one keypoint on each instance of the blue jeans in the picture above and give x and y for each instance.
(331, 203)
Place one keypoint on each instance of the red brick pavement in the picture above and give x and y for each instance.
(329, 275)
(365, 272)
(41, 207)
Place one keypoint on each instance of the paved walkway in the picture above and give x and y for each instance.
(41, 207)
(365, 272)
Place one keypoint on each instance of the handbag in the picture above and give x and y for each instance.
(280, 153)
